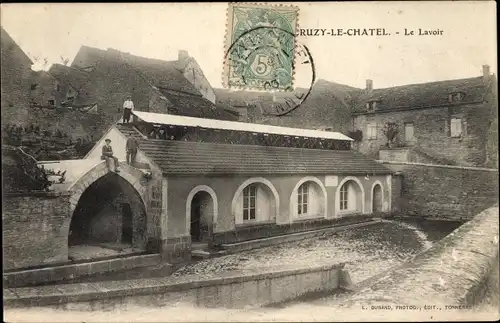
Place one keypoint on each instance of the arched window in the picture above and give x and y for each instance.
(303, 198)
(350, 198)
(249, 202)
(308, 199)
(344, 190)
(255, 202)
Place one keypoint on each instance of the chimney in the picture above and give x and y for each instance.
(486, 72)
(369, 85)
(183, 55)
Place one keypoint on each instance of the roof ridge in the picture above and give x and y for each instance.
(68, 67)
(109, 49)
(427, 83)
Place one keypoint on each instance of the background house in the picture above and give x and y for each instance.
(327, 107)
(448, 122)
(71, 106)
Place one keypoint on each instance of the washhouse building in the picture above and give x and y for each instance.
(201, 183)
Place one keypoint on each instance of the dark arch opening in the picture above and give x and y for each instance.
(109, 214)
(377, 199)
(202, 214)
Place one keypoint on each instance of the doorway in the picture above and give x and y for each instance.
(377, 199)
(201, 217)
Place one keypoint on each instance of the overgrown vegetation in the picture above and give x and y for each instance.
(21, 173)
(391, 131)
(356, 135)
(44, 144)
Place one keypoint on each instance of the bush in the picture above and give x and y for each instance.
(390, 131)
(357, 135)
(21, 173)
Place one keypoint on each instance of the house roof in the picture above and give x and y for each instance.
(423, 95)
(159, 72)
(196, 106)
(318, 97)
(10, 47)
(196, 158)
(178, 120)
(69, 75)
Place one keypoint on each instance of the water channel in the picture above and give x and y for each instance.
(367, 251)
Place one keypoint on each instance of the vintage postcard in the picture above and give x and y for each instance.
(218, 162)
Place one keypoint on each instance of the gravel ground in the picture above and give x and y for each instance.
(366, 251)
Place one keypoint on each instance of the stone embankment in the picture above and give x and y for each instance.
(456, 273)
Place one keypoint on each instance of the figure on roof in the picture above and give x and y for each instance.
(107, 155)
(128, 107)
(131, 149)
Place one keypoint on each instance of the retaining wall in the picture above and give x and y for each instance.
(237, 289)
(72, 271)
(442, 192)
(457, 272)
(31, 225)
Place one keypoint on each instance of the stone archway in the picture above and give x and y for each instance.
(128, 173)
(108, 209)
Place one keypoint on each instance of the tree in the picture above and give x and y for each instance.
(357, 135)
(390, 131)
(64, 60)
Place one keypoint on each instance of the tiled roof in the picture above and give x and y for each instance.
(160, 73)
(196, 158)
(10, 47)
(196, 106)
(69, 75)
(422, 95)
(328, 105)
(320, 89)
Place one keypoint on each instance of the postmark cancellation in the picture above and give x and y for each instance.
(260, 47)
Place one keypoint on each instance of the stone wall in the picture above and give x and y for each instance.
(455, 272)
(32, 234)
(443, 192)
(432, 132)
(234, 289)
(252, 232)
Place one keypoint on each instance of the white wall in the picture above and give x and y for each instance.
(118, 142)
(194, 74)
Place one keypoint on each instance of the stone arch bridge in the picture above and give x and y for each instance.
(107, 209)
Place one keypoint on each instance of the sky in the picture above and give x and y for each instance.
(468, 41)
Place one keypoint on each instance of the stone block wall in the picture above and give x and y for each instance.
(176, 250)
(443, 192)
(32, 229)
(432, 132)
(455, 272)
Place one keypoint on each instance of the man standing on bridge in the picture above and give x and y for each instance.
(131, 149)
(128, 107)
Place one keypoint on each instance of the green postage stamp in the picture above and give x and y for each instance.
(260, 47)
